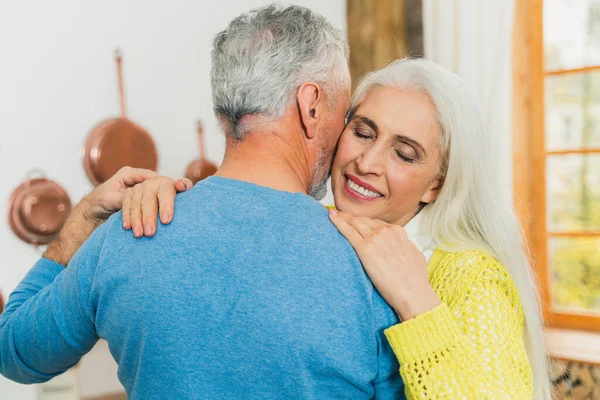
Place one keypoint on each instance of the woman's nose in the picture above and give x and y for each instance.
(370, 162)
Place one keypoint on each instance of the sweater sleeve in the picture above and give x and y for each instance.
(48, 322)
(473, 349)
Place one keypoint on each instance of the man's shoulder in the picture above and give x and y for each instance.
(112, 230)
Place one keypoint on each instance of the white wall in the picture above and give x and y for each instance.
(57, 80)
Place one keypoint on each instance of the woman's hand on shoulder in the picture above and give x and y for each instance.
(107, 198)
(141, 193)
(393, 263)
(144, 202)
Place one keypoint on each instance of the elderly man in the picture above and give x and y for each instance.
(250, 293)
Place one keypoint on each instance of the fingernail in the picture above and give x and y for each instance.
(148, 230)
(125, 224)
(333, 212)
(137, 232)
(164, 218)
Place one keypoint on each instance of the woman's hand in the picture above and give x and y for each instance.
(143, 203)
(92, 211)
(394, 264)
(107, 198)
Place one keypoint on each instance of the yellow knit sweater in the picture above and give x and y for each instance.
(471, 346)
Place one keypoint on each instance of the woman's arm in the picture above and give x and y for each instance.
(108, 198)
(469, 346)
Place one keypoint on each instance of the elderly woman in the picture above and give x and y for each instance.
(415, 147)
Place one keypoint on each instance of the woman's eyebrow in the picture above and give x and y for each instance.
(368, 121)
(399, 138)
(405, 139)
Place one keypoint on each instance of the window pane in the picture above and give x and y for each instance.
(573, 111)
(571, 33)
(573, 193)
(575, 274)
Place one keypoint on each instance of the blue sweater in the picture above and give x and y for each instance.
(250, 293)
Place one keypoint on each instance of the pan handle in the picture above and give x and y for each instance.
(200, 128)
(119, 61)
(34, 172)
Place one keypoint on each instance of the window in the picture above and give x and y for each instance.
(563, 186)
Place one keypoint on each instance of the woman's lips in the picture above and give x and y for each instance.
(359, 190)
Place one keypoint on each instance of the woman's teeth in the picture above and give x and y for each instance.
(359, 189)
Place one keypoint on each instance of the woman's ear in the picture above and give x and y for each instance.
(309, 98)
(433, 191)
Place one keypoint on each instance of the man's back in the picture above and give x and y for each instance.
(249, 293)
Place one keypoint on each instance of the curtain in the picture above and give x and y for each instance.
(473, 39)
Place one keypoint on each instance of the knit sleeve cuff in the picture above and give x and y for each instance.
(427, 333)
(43, 272)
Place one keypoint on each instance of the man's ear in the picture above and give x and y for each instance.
(310, 97)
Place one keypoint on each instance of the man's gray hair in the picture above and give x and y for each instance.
(264, 55)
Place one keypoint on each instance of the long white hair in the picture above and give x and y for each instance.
(471, 211)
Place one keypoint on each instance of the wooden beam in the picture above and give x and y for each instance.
(590, 234)
(377, 34)
(574, 151)
(593, 68)
(529, 155)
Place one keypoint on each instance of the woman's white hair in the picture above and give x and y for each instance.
(471, 211)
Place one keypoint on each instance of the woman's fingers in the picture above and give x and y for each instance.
(135, 211)
(364, 226)
(349, 232)
(126, 218)
(132, 176)
(149, 207)
(166, 200)
(145, 201)
(148, 196)
(183, 184)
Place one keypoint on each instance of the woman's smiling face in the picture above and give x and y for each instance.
(388, 156)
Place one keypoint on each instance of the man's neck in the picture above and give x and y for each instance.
(268, 159)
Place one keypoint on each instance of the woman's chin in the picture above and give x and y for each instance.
(365, 211)
(350, 207)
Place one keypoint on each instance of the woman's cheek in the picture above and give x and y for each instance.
(403, 183)
(344, 154)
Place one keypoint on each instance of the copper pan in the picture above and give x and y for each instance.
(38, 208)
(201, 168)
(118, 142)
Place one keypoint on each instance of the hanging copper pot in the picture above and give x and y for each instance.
(118, 142)
(201, 168)
(38, 208)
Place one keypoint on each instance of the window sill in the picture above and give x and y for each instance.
(572, 345)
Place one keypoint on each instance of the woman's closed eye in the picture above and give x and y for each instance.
(404, 158)
(407, 154)
(361, 134)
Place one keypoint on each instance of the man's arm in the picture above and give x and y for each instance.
(389, 384)
(48, 322)
(76, 230)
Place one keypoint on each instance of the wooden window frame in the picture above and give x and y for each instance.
(529, 154)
